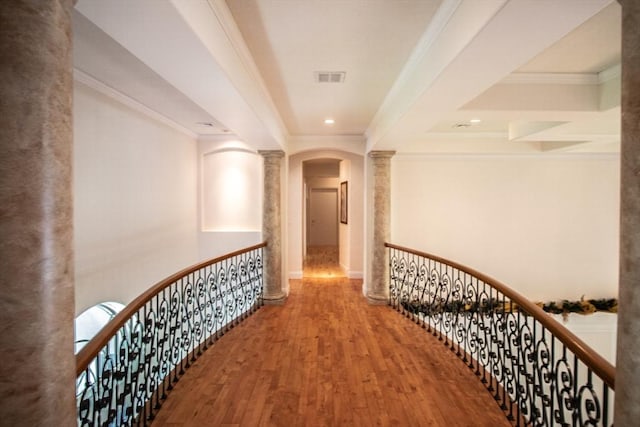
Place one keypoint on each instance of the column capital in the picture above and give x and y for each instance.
(271, 154)
(382, 154)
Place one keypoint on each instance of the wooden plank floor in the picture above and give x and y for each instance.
(327, 358)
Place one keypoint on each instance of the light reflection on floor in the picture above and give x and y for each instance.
(322, 262)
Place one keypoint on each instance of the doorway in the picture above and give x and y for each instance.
(322, 254)
(321, 179)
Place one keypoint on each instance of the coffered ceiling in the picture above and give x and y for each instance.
(540, 75)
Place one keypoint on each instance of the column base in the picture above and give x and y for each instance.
(278, 299)
(377, 300)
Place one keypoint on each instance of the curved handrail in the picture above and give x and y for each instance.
(591, 358)
(90, 351)
(124, 374)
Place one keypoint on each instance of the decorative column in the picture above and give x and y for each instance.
(627, 410)
(272, 228)
(37, 372)
(378, 287)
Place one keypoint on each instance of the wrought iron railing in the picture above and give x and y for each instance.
(538, 372)
(125, 372)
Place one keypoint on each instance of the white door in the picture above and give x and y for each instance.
(323, 217)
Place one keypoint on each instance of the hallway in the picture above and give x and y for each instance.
(327, 358)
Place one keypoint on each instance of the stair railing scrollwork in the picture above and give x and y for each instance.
(125, 372)
(539, 373)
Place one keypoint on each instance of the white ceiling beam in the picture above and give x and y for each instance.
(233, 55)
(452, 28)
(479, 54)
(173, 39)
(537, 97)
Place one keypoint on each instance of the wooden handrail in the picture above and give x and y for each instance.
(91, 350)
(601, 367)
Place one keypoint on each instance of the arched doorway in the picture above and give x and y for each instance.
(321, 234)
(325, 175)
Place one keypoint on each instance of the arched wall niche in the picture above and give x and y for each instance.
(351, 234)
(230, 196)
(231, 190)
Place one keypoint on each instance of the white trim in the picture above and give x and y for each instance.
(466, 135)
(355, 275)
(436, 27)
(295, 275)
(232, 149)
(610, 74)
(564, 78)
(237, 43)
(533, 155)
(328, 139)
(552, 79)
(89, 81)
(434, 30)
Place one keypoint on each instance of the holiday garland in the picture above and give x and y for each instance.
(584, 306)
(564, 307)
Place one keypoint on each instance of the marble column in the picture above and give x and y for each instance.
(627, 407)
(37, 371)
(378, 286)
(272, 228)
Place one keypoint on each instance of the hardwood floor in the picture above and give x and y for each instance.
(327, 358)
(322, 262)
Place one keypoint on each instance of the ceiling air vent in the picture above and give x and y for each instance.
(330, 76)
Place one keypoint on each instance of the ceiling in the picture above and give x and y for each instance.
(541, 76)
(370, 40)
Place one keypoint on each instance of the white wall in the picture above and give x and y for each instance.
(598, 330)
(545, 225)
(352, 234)
(231, 191)
(344, 237)
(134, 200)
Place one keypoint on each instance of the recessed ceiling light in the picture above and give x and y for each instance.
(329, 121)
(475, 121)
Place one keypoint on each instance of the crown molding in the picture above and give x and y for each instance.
(434, 31)
(564, 78)
(89, 81)
(540, 154)
(320, 139)
(236, 42)
(552, 79)
(610, 73)
(467, 135)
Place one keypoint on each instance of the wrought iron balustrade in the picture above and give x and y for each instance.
(539, 373)
(125, 372)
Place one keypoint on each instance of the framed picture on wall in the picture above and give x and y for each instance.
(343, 202)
